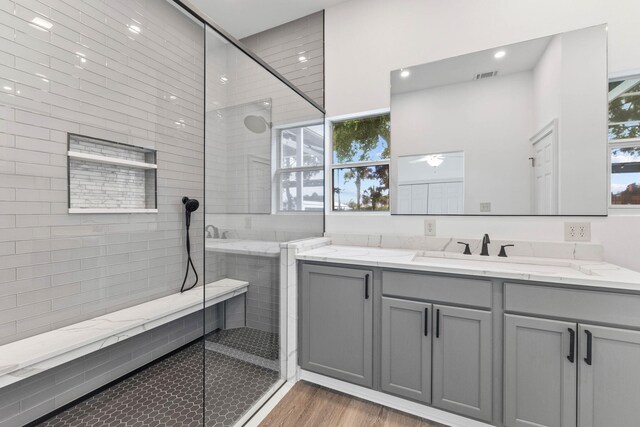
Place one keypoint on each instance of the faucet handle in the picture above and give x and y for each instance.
(467, 251)
(503, 253)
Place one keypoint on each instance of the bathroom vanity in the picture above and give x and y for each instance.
(513, 342)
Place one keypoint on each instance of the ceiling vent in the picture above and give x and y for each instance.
(486, 75)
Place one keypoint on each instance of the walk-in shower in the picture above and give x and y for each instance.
(129, 129)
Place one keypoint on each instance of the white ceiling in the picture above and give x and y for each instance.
(242, 18)
(519, 57)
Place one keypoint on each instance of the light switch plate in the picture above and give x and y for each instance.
(430, 227)
(485, 207)
(577, 231)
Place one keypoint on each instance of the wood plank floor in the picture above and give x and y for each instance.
(312, 406)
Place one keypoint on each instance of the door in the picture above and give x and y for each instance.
(337, 323)
(259, 184)
(454, 197)
(539, 372)
(545, 177)
(462, 361)
(437, 199)
(406, 348)
(404, 199)
(419, 198)
(609, 377)
(446, 198)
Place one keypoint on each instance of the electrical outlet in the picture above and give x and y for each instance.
(485, 206)
(577, 231)
(429, 227)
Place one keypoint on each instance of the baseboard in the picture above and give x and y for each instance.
(393, 402)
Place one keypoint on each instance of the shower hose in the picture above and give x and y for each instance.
(189, 263)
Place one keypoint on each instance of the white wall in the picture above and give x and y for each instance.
(366, 39)
(547, 85)
(569, 85)
(496, 168)
(583, 124)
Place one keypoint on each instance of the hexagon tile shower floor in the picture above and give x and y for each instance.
(169, 393)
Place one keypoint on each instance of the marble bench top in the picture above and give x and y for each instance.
(243, 247)
(30, 356)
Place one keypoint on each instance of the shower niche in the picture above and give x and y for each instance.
(110, 177)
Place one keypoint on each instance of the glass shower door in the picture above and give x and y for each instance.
(251, 118)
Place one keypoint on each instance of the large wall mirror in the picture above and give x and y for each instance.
(515, 130)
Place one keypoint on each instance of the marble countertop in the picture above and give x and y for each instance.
(243, 247)
(549, 270)
(30, 356)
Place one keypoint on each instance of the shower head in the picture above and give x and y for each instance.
(256, 124)
(190, 205)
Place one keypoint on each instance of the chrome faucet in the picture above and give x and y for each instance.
(216, 232)
(485, 242)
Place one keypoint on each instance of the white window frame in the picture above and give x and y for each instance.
(620, 143)
(328, 191)
(279, 170)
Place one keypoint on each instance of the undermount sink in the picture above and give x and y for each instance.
(530, 265)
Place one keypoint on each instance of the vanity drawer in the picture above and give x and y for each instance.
(577, 304)
(455, 290)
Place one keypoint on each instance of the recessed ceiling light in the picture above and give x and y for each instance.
(172, 97)
(499, 54)
(405, 73)
(224, 79)
(7, 88)
(42, 23)
(134, 29)
(302, 59)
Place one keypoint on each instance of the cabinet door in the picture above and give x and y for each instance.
(539, 372)
(337, 323)
(462, 361)
(608, 377)
(406, 348)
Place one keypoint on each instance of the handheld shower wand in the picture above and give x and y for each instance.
(190, 205)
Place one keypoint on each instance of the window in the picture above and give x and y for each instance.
(300, 173)
(624, 141)
(360, 164)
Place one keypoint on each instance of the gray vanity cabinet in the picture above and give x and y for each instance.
(337, 323)
(462, 361)
(540, 372)
(609, 377)
(406, 348)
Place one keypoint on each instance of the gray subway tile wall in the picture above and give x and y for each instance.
(262, 300)
(130, 72)
(295, 50)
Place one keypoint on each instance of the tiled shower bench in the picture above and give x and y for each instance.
(30, 356)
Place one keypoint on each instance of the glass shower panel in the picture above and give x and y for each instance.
(250, 113)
